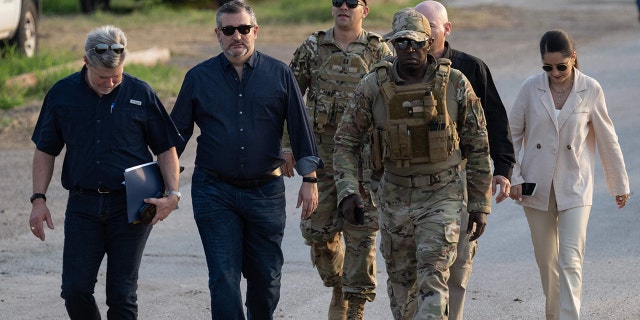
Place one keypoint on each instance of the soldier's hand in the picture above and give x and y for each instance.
(353, 209)
(479, 219)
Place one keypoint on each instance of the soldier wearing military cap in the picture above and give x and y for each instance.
(424, 120)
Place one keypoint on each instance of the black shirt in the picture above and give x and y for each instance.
(241, 121)
(103, 135)
(500, 144)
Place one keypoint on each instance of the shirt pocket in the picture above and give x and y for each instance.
(76, 125)
(129, 125)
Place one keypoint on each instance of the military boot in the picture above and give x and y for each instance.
(356, 309)
(338, 306)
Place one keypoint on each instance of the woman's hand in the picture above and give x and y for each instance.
(516, 192)
(621, 200)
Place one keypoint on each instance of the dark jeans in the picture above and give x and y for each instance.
(241, 232)
(96, 225)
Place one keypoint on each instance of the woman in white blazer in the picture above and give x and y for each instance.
(558, 120)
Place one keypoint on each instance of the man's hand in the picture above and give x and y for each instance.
(164, 206)
(39, 213)
(505, 187)
(480, 220)
(308, 195)
(289, 163)
(353, 209)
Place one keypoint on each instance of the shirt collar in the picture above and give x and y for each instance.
(329, 37)
(251, 62)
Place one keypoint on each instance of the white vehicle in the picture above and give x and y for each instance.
(19, 22)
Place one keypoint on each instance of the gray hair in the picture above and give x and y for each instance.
(236, 6)
(108, 35)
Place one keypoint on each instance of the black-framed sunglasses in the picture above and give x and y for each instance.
(561, 67)
(101, 48)
(351, 4)
(403, 44)
(243, 29)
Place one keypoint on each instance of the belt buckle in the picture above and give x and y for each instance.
(102, 190)
(434, 178)
(437, 177)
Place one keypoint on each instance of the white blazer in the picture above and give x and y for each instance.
(561, 150)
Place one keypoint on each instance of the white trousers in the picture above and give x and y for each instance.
(559, 239)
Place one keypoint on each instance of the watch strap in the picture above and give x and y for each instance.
(310, 179)
(175, 193)
(37, 196)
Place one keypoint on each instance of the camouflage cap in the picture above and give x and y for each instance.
(409, 24)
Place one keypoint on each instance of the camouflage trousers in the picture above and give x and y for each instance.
(419, 230)
(460, 271)
(343, 253)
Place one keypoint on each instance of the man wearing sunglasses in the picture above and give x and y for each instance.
(500, 142)
(426, 120)
(108, 121)
(328, 65)
(240, 100)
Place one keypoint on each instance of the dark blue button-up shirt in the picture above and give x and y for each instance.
(241, 121)
(103, 135)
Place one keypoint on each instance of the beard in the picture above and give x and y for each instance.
(235, 49)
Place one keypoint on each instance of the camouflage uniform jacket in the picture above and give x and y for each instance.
(317, 48)
(368, 109)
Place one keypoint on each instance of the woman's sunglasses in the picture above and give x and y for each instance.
(403, 44)
(243, 29)
(351, 4)
(102, 48)
(561, 67)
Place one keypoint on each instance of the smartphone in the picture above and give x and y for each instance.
(529, 188)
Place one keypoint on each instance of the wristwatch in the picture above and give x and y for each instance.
(310, 179)
(37, 196)
(175, 193)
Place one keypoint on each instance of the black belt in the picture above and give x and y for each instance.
(101, 190)
(245, 184)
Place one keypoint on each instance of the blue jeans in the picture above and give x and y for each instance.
(96, 225)
(241, 232)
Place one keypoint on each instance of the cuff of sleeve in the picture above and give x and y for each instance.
(502, 170)
(478, 207)
(308, 164)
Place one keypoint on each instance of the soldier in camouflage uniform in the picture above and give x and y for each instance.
(328, 65)
(424, 120)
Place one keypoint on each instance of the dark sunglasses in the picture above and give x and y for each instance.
(351, 4)
(243, 29)
(102, 48)
(561, 67)
(403, 44)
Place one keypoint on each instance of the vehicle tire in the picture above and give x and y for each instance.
(26, 37)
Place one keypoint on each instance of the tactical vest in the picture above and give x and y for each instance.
(418, 128)
(335, 81)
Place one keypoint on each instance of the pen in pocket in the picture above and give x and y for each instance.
(113, 104)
